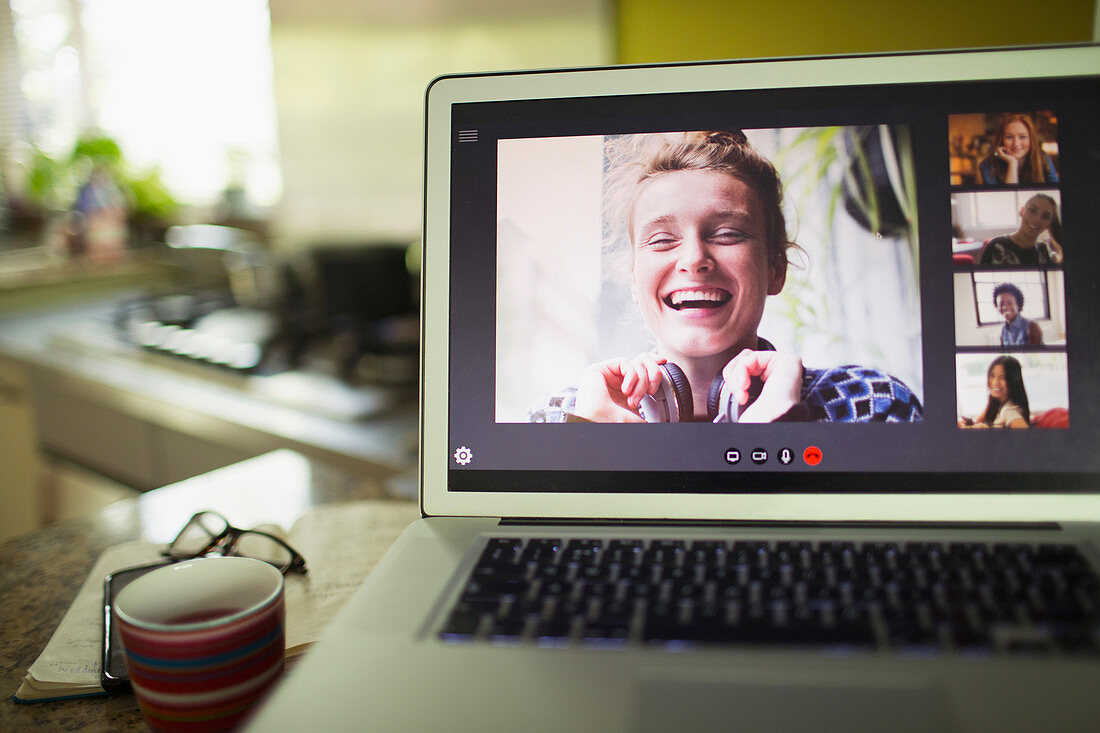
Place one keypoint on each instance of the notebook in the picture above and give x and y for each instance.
(755, 395)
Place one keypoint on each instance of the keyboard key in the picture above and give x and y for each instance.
(583, 551)
(501, 551)
(541, 551)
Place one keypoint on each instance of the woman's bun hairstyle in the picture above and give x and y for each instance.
(729, 152)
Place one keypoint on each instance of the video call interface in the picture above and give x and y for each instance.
(727, 291)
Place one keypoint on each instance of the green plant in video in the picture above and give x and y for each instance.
(851, 203)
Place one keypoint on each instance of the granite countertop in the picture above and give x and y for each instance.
(41, 571)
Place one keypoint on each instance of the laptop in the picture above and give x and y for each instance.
(755, 395)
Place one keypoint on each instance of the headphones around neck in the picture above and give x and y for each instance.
(672, 402)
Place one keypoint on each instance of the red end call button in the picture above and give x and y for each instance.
(812, 455)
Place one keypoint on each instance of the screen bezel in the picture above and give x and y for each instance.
(436, 499)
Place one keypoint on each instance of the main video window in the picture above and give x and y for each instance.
(751, 276)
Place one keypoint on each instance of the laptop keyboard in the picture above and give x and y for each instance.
(919, 597)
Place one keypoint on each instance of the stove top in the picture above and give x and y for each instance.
(210, 329)
(232, 348)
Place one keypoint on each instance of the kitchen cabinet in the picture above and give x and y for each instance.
(98, 438)
(123, 444)
(19, 466)
(69, 490)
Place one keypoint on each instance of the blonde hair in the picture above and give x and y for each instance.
(631, 161)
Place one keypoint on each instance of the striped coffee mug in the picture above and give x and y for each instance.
(204, 639)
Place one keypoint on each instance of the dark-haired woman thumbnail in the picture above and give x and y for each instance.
(1007, 406)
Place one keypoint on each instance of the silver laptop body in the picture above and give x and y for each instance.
(539, 282)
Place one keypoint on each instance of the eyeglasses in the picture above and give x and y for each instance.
(208, 532)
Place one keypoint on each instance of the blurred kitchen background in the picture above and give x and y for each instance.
(210, 209)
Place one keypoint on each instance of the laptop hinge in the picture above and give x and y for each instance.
(774, 524)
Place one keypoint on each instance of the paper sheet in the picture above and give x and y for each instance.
(341, 543)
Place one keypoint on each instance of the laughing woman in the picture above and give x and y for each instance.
(708, 245)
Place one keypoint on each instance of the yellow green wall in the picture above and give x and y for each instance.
(683, 30)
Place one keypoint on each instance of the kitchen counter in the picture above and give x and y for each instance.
(34, 276)
(76, 365)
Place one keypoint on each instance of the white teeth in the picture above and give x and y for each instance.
(682, 296)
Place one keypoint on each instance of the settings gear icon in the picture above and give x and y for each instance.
(463, 456)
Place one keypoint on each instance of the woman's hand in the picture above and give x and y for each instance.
(1012, 175)
(1056, 252)
(611, 391)
(971, 424)
(782, 378)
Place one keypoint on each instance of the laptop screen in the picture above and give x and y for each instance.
(853, 288)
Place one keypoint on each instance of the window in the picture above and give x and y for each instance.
(183, 85)
(1032, 283)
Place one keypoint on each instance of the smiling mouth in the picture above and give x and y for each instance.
(709, 298)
